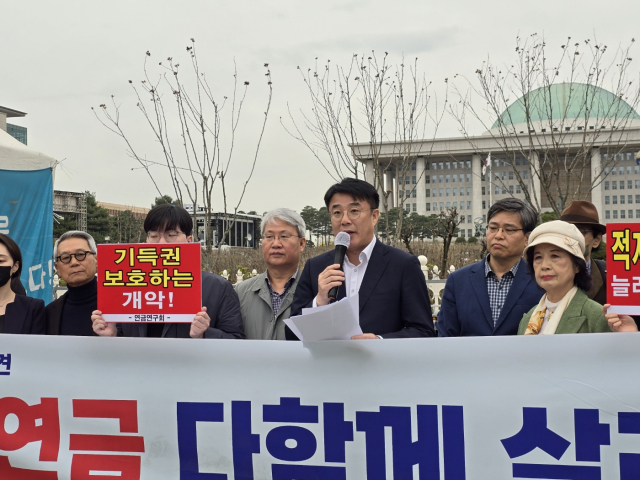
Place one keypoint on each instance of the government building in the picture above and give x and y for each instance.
(585, 153)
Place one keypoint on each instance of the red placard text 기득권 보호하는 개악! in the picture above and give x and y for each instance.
(149, 282)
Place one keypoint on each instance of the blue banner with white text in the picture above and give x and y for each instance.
(26, 215)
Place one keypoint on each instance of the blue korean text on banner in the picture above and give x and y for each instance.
(26, 215)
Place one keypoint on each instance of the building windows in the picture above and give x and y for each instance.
(442, 192)
(448, 192)
(407, 180)
(468, 191)
(606, 171)
(413, 179)
(483, 191)
(469, 164)
(629, 170)
(434, 179)
(621, 170)
(469, 232)
(441, 178)
(455, 204)
(518, 189)
(622, 214)
(454, 165)
(415, 207)
(614, 185)
(511, 189)
(428, 207)
(637, 213)
(636, 170)
(525, 174)
(622, 199)
(455, 192)
(462, 219)
(607, 215)
(441, 165)
(629, 184)
(454, 178)
(517, 160)
(427, 179)
(637, 199)
(621, 184)
(435, 207)
(615, 199)
(441, 205)
(461, 191)
(636, 184)
(614, 171)
(427, 193)
(497, 190)
(407, 207)
(630, 213)
(510, 174)
(484, 204)
(469, 177)
(629, 198)
(427, 165)
(504, 190)
(606, 185)
(413, 193)
(435, 165)
(468, 218)
(504, 175)
(607, 200)
(447, 165)
(615, 214)
(447, 178)
(448, 205)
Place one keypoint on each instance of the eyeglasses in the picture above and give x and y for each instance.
(283, 238)
(169, 235)
(352, 213)
(79, 256)
(508, 231)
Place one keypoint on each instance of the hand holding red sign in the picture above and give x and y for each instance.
(619, 323)
(148, 283)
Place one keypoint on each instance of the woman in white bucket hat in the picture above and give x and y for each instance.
(555, 256)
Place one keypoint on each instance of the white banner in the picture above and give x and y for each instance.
(556, 407)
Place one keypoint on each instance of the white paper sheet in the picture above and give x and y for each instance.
(337, 321)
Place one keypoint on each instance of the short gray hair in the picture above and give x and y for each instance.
(74, 234)
(286, 215)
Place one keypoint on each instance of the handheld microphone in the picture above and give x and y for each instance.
(341, 244)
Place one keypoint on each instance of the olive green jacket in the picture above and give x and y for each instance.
(257, 312)
(582, 315)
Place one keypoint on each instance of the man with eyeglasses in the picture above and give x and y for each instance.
(393, 297)
(75, 261)
(220, 313)
(265, 300)
(489, 297)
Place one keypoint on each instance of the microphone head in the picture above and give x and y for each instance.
(343, 239)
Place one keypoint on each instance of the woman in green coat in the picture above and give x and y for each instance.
(555, 257)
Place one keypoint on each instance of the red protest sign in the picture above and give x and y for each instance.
(146, 282)
(623, 268)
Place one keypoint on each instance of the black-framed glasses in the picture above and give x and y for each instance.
(169, 235)
(79, 256)
(283, 238)
(507, 231)
(352, 213)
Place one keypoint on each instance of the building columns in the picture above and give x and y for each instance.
(476, 188)
(421, 196)
(596, 191)
(389, 174)
(534, 170)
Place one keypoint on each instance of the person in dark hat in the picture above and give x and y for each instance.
(585, 216)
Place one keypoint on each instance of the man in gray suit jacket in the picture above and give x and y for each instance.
(220, 313)
(265, 300)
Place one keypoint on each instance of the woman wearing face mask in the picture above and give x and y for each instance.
(18, 314)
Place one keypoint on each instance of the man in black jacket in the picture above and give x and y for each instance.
(392, 291)
(220, 314)
(585, 216)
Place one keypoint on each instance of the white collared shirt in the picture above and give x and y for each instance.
(353, 274)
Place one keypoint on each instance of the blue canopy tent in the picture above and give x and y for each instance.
(26, 211)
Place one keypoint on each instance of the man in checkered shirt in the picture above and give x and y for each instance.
(489, 297)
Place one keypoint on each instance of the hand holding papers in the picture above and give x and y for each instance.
(338, 321)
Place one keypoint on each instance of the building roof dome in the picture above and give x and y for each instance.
(567, 101)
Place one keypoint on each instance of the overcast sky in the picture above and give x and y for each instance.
(59, 59)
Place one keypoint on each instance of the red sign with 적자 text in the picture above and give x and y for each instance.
(623, 268)
(145, 282)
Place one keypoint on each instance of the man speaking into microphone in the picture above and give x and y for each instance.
(393, 297)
